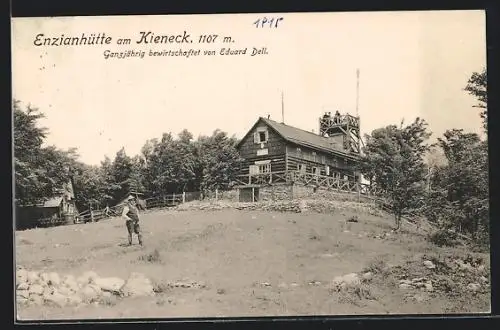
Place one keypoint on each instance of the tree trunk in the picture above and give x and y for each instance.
(397, 217)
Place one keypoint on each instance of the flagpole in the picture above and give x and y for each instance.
(282, 109)
(357, 92)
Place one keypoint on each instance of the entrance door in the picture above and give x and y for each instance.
(249, 195)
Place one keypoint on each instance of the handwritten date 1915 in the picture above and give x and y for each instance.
(268, 22)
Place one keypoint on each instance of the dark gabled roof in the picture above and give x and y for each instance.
(301, 137)
(53, 202)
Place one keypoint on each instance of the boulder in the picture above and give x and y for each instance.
(36, 289)
(89, 293)
(474, 287)
(54, 279)
(368, 276)
(23, 286)
(87, 278)
(74, 300)
(107, 294)
(346, 281)
(36, 300)
(110, 284)
(55, 299)
(466, 267)
(23, 294)
(21, 300)
(137, 285)
(405, 286)
(429, 264)
(70, 282)
(32, 277)
(82, 281)
(90, 274)
(44, 277)
(48, 290)
(429, 287)
(483, 279)
(64, 290)
(21, 276)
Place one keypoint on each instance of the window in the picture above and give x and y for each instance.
(299, 150)
(261, 136)
(313, 156)
(315, 170)
(265, 168)
(301, 168)
(327, 170)
(323, 159)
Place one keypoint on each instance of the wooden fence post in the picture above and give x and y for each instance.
(173, 198)
(216, 194)
(183, 197)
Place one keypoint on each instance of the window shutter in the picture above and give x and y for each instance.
(254, 169)
(267, 136)
(256, 137)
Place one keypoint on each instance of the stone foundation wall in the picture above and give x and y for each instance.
(290, 192)
(276, 193)
(309, 192)
(228, 196)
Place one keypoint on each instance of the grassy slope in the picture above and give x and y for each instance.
(232, 252)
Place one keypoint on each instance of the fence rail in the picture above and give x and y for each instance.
(308, 179)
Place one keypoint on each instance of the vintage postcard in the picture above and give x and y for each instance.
(246, 165)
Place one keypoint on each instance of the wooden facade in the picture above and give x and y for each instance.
(57, 210)
(275, 153)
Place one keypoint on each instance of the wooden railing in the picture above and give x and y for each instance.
(262, 178)
(151, 203)
(164, 201)
(341, 120)
(309, 179)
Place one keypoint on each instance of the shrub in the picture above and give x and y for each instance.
(444, 238)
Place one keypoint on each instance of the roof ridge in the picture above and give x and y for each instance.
(297, 128)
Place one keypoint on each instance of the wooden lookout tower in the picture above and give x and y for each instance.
(342, 129)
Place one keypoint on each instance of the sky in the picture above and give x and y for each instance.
(412, 64)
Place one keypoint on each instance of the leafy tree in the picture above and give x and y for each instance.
(30, 183)
(393, 159)
(477, 86)
(121, 174)
(136, 181)
(39, 171)
(185, 161)
(219, 161)
(460, 191)
(111, 187)
(90, 186)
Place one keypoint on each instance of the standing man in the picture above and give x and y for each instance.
(131, 215)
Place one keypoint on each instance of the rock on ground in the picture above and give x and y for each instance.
(347, 281)
(21, 276)
(49, 288)
(137, 285)
(111, 284)
(36, 289)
